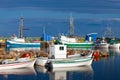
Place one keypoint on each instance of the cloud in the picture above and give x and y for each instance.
(80, 6)
(115, 19)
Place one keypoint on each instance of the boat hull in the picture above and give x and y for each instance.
(87, 68)
(70, 62)
(23, 64)
(19, 44)
(79, 45)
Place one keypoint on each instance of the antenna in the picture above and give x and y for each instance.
(108, 32)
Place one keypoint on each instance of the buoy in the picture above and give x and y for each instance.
(95, 55)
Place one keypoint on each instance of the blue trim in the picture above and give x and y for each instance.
(8, 44)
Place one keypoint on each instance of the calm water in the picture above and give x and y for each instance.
(104, 69)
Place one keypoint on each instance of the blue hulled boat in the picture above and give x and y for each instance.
(20, 42)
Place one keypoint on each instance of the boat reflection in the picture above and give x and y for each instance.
(19, 71)
(115, 51)
(66, 73)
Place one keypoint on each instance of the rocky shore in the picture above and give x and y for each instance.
(18, 54)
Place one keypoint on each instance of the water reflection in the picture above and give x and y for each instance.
(17, 72)
(68, 73)
(108, 67)
(115, 50)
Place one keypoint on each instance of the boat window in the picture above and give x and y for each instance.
(61, 48)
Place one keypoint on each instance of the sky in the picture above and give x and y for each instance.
(90, 16)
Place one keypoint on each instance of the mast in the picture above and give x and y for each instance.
(71, 27)
(21, 28)
(109, 33)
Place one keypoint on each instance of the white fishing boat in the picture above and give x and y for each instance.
(102, 44)
(19, 63)
(72, 42)
(58, 58)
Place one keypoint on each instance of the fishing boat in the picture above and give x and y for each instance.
(71, 62)
(72, 42)
(102, 44)
(16, 42)
(19, 63)
(58, 58)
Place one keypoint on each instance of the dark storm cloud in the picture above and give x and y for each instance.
(53, 14)
(80, 6)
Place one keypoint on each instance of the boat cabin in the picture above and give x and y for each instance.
(58, 51)
(16, 39)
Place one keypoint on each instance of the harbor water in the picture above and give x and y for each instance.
(104, 68)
